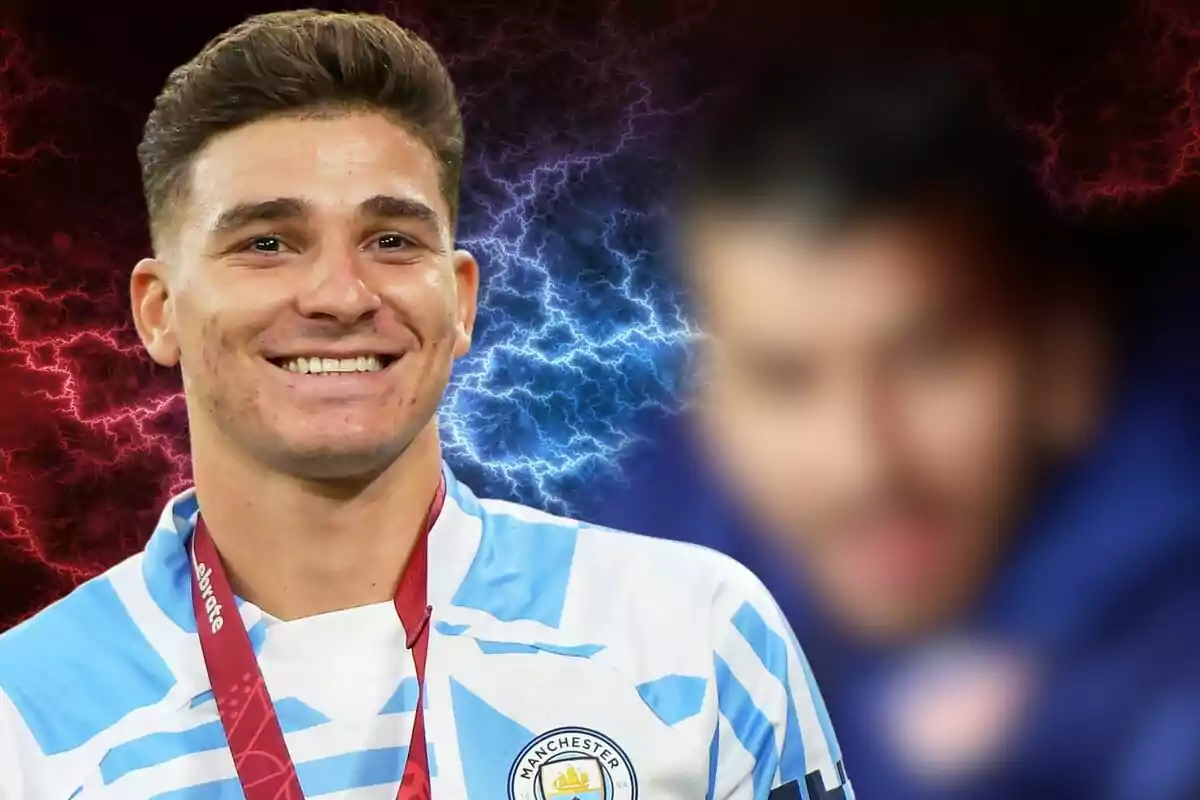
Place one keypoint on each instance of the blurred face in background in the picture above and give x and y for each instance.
(878, 399)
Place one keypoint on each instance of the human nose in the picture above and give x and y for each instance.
(337, 289)
(856, 434)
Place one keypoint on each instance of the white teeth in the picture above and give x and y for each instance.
(315, 365)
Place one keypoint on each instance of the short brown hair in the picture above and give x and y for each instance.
(292, 62)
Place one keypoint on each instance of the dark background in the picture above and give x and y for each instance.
(575, 112)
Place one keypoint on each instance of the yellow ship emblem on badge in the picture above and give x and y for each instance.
(571, 779)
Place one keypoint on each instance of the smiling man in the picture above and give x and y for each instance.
(329, 611)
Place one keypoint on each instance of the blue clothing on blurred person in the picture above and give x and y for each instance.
(1099, 596)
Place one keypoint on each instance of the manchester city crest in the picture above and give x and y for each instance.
(572, 764)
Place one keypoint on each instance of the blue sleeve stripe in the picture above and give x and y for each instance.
(714, 756)
(355, 770)
(771, 650)
(224, 789)
(85, 653)
(341, 773)
(158, 748)
(750, 726)
(814, 693)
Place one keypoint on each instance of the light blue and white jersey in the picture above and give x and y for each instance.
(565, 661)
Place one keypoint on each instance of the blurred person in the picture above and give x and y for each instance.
(919, 418)
(389, 632)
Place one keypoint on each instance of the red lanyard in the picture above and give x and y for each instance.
(260, 754)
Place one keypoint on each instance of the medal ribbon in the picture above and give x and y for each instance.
(260, 754)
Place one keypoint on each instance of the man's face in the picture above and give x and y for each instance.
(310, 293)
(872, 399)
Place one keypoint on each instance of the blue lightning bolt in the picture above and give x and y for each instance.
(581, 329)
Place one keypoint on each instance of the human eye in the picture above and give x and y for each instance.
(393, 247)
(268, 245)
(391, 242)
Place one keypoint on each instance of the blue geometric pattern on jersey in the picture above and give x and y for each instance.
(714, 750)
(520, 571)
(750, 725)
(168, 575)
(183, 511)
(201, 699)
(295, 715)
(674, 698)
(503, 648)
(773, 653)
(319, 777)
(159, 748)
(495, 648)
(835, 749)
(167, 570)
(356, 770)
(488, 742)
(257, 634)
(258, 637)
(404, 700)
(88, 633)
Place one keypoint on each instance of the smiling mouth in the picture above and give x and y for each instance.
(320, 365)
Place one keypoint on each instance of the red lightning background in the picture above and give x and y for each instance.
(93, 436)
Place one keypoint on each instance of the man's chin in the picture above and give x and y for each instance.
(338, 460)
(885, 619)
(896, 626)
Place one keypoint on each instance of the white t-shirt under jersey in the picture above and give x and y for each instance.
(562, 657)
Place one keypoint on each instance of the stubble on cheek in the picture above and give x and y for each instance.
(225, 398)
(431, 365)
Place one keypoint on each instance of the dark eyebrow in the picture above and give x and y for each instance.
(267, 210)
(290, 208)
(389, 207)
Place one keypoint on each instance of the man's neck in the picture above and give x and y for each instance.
(296, 548)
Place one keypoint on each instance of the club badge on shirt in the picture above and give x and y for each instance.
(572, 764)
